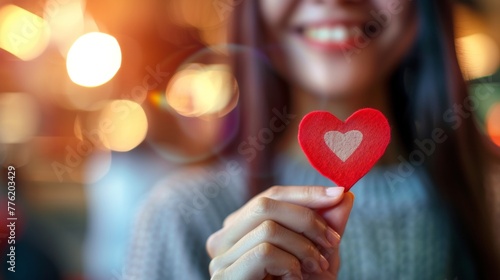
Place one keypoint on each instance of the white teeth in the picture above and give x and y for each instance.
(328, 34)
(323, 34)
(339, 34)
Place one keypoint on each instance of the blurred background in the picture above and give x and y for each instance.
(101, 99)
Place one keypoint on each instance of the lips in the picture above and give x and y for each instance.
(330, 36)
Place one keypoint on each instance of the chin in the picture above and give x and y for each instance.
(336, 86)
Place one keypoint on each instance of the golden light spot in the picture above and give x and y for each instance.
(122, 124)
(478, 55)
(66, 21)
(493, 124)
(93, 59)
(210, 17)
(201, 90)
(204, 15)
(18, 118)
(23, 33)
(157, 98)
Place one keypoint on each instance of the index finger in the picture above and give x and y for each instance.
(314, 197)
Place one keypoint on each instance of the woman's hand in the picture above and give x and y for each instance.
(285, 232)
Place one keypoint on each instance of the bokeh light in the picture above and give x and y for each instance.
(493, 123)
(158, 99)
(67, 21)
(18, 118)
(208, 17)
(478, 55)
(120, 125)
(23, 33)
(204, 15)
(93, 59)
(202, 90)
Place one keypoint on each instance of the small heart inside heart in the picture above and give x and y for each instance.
(343, 145)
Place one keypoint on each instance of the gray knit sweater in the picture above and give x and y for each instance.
(395, 231)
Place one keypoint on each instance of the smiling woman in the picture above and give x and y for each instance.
(279, 218)
(320, 42)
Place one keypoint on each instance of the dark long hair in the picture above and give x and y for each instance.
(425, 86)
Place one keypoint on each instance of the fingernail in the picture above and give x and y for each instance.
(334, 191)
(323, 263)
(323, 241)
(332, 236)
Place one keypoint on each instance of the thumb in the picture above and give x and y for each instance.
(336, 217)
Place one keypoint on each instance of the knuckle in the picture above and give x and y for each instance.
(274, 190)
(209, 245)
(218, 275)
(227, 220)
(215, 265)
(264, 205)
(264, 250)
(270, 229)
(310, 191)
(310, 217)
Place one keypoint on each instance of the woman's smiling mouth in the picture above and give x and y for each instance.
(331, 36)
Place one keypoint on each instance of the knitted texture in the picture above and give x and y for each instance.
(395, 231)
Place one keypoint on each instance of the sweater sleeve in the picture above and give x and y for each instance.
(173, 224)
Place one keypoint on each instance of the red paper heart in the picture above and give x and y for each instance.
(344, 152)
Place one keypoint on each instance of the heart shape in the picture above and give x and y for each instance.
(343, 145)
(344, 151)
